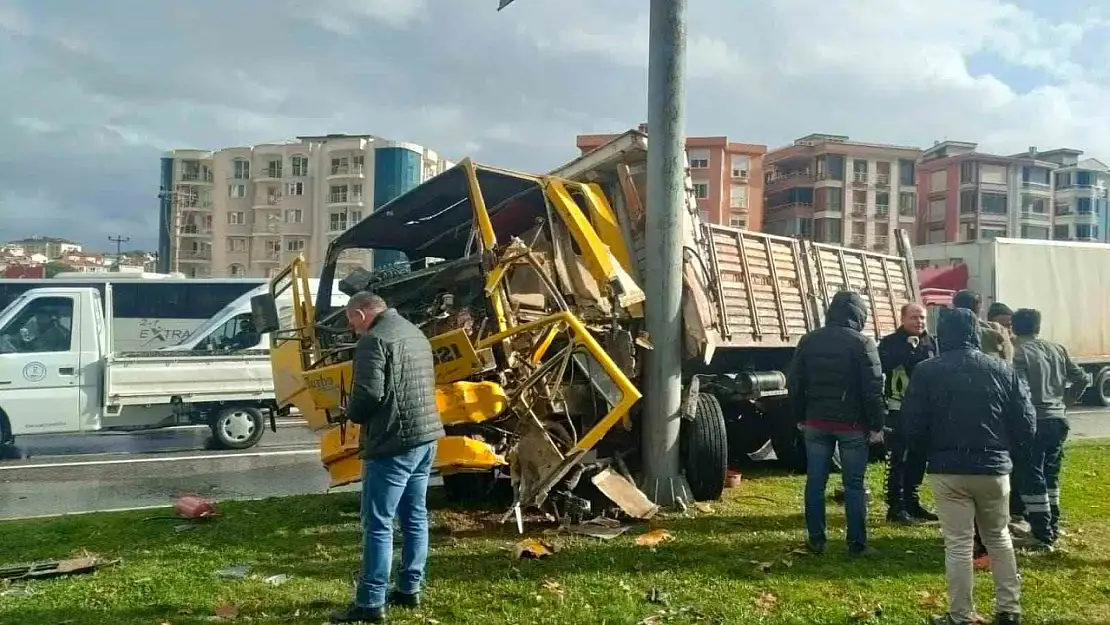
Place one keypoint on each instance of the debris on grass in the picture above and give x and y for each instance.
(929, 601)
(766, 602)
(277, 580)
(532, 549)
(237, 571)
(55, 568)
(194, 508)
(656, 596)
(631, 500)
(18, 591)
(226, 612)
(703, 507)
(733, 479)
(554, 587)
(654, 538)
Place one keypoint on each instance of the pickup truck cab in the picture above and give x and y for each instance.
(59, 375)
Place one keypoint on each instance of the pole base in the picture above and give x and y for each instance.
(667, 491)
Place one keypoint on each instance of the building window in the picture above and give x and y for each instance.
(190, 171)
(738, 196)
(1083, 206)
(356, 193)
(992, 233)
(882, 203)
(701, 190)
(294, 245)
(236, 245)
(736, 222)
(827, 230)
(935, 235)
(834, 199)
(1034, 232)
(968, 232)
(337, 194)
(236, 271)
(241, 169)
(698, 159)
(1063, 209)
(273, 168)
(967, 203)
(1035, 176)
(882, 172)
(1033, 205)
(340, 165)
(237, 191)
(805, 226)
(859, 202)
(1061, 233)
(294, 216)
(236, 218)
(357, 164)
(859, 170)
(294, 188)
(337, 222)
(859, 228)
(300, 165)
(993, 203)
(907, 173)
(907, 204)
(1085, 231)
(741, 165)
(1083, 179)
(356, 216)
(968, 171)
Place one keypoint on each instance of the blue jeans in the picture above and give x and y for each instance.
(820, 445)
(394, 486)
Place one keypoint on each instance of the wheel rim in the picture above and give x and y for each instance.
(1105, 387)
(237, 425)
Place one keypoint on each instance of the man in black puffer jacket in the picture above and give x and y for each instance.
(967, 410)
(393, 401)
(836, 390)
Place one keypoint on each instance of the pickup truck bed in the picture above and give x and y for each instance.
(157, 377)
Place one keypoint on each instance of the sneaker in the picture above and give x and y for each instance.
(862, 552)
(1034, 545)
(946, 619)
(1007, 618)
(358, 614)
(1020, 529)
(816, 549)
(919, 512)
(900, 517)
(404, 599)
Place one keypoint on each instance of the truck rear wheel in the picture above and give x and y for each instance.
(237, 427)
(704, 449)
(1101, 387)
(6, 436)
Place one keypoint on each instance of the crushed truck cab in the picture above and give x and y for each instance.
(529, 290)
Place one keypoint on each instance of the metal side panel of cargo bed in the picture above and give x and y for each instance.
(771, 290)
(157, 378)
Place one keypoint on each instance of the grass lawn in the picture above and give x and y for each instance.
(733, 563)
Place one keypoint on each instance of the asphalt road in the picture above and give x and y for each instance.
(70, 475)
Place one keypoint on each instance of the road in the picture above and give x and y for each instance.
(69, 475)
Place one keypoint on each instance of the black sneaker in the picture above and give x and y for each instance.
(921, 513)
(815, 548)
(358, 614)
(900, 517)
(404, 599)
(862, 552)
(1007, 618)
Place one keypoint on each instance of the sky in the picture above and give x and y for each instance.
(92, 93)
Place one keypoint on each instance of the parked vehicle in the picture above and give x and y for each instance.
(60, 374)
(1065, 280)
(536, 319)
(152, 310)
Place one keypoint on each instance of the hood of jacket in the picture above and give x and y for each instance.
(847, 310)
(958, 329)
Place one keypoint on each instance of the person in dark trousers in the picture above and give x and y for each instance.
(1001, 314)
(836, 391)
(1055, 381)
(900, 352)
(994, 340)
(393, 401)
(967, 410)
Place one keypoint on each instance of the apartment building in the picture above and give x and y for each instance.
(1079, 193)
(248, 211)
(50, 247)
(969, 195)
(835, 190)
(728, 177)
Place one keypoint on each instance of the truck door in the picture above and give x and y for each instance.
(40, 366)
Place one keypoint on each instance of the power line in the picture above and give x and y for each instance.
(119, 241)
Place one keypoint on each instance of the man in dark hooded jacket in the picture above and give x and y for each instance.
(966, 410)
(836, 391)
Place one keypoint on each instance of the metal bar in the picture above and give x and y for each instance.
(777, 290)
(714, 278)
(870, 296)
(742, 252)
(666, 170)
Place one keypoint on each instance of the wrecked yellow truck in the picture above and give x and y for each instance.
(528, 287)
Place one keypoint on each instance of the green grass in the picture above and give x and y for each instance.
(712, 572)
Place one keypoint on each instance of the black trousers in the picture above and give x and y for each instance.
(905, 469)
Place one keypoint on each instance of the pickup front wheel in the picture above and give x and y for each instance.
(237, 427)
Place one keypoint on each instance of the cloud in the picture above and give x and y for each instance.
(94, 92)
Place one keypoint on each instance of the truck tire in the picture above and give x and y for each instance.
(1101, 387)
(237, 427)
(703, 442)
(6, 436)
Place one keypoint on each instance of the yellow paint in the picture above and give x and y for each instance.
(604, 219)
(454, 355)
(597, 255)
(470, 402)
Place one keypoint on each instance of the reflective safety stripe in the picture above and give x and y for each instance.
(1031, 508)
(899, 381)
(893, 404)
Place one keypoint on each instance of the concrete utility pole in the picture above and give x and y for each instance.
(666, 197)
(119, 241)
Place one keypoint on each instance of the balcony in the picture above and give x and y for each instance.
(791, 205)
(777, 180)
(346, 171)
(344, 199)
(906, 212)
(858, 241)
(195, 255)
(267, 174)
(193, 230)
(859, 178)
(859, 209)
(267, 256)
(882, 212)
(269, 201)
(881, 244)
(739, 205)
(882, 180)
(1034, 215)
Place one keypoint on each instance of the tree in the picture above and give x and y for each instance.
(55, 267)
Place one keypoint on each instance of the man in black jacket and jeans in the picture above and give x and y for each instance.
(836, 391)
(393, 401)
(900, 353)
(967, 410)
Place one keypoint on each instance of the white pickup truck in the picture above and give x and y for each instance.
(59, 375)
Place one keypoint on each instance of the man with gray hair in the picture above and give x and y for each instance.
(393, 401)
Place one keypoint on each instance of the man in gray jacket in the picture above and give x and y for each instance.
(393, 401)
(1049, 371)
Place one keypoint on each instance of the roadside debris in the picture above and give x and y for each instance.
(653, 538)
(766, 602)
(238, 571)
(193, 508)
(532, 549)
(277, 580)
(226, 612)
(733, 479)
(55, 568)
(632, 500)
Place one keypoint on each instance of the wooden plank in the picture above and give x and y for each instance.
(777, 290)
(715, 280)
(758, 331)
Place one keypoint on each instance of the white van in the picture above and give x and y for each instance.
(232, 329)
